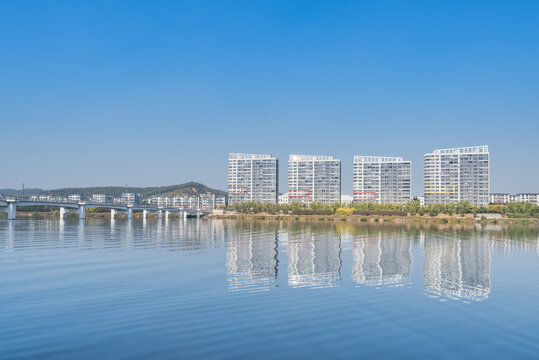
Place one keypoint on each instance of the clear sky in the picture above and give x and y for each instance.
(159, 92)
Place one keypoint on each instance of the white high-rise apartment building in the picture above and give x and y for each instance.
(459, 174)
(382, 180)
(313, 178)
(252, 177)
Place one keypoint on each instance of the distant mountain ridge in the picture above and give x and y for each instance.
(190, 188)
(27, 192)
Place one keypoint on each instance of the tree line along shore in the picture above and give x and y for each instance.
(516, 210)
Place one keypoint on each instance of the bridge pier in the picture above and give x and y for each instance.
(159, 214)
(129, 213)
(144, 214)
(63, 213)
(166, 214)
(11, 210)
(198, 214)
(185, 214)
(112, 213)
(82, 211)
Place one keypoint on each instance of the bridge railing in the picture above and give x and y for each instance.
(61, 201)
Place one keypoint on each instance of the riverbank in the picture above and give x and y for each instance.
(388, 219)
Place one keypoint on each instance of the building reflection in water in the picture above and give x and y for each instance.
(251, 260)
(314, 259)
(382, 259)
(457, 268)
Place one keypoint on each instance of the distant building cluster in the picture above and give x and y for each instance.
(51, 198)
(450, 176)
(206, 201)
(125, 198)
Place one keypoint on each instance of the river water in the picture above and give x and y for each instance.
(266, 289)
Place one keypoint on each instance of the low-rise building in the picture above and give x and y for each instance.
(220, 201)
(206, 201)
(347, 199)
(131, 198)
(101, 198)
(529, 197)
(505, 198)
(499, 198)
(75, 197)
(161, 201)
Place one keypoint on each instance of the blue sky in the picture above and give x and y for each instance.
(159, 92)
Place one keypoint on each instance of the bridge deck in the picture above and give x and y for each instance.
(74, 205)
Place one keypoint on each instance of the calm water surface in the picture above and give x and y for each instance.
(246, 289)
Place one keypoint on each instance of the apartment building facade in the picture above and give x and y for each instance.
(457, 174)
(252, 177)
(314, 178)
(382, 180)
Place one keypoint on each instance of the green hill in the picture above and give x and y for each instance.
(190, 188)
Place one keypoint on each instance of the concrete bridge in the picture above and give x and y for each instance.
(9, 206)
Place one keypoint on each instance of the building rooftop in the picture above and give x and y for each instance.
(358, 158)
(249, 156)
(463, 150)
(310, 157)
